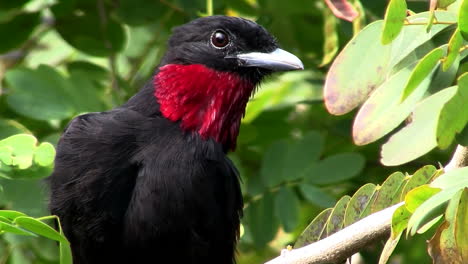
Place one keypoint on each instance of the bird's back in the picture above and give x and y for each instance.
(129, 187)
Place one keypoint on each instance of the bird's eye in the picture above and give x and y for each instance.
(219, 39)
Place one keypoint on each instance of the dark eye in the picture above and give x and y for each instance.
(219, 39)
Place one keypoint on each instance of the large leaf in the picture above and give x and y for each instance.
(22, 149)
(39, 228)
(384, 111)
(419, 137)
(342, 93)
(40, 94)
(262, 221)
(17, 30)
(336, 168)
(315, 229)
(422, 70)
(90, 33)
(137, 12)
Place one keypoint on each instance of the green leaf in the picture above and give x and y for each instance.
(65, 253)
(399, 221)
(287, 208)
(10, 127)
(39, 228)
(39, 94)
(444, 3)
(456, 41)
(419, 195)
(430, 209)
(11, 214)
(341, 93)
(7, 227)
(262, 221)
(336, 220)
(44, 154)
(87, 32)
(419, 137)
(336, 168)
(389, 191)
(23, 146)
(316, 195)
(272, 164)
(463, 19)
(138, 12)
(91, 70)
(6, 154)
(18, 30)
(456, 178)
(422, 176)
(314, 230)
(453, 116)
(394, 20)
(331, 43)
(423, 69)
(359, 203)
(383, 111)
(302, 154)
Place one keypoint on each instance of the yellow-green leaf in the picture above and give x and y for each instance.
(454, 45)
(424, 67)
(463, 19)
(394, 20)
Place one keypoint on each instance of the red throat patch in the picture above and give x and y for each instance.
(204, 100)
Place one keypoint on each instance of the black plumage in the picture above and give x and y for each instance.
(132, 186)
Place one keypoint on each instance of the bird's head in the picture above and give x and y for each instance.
(211, 67)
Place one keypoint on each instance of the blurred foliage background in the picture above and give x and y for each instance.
(59, 59)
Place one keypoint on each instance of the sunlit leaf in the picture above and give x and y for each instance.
(419, 136)
(44, 154)
(342, 93)
(422, 176)
(39, 228)
(419, 195)
(422, 70)
(454, 45)
(399, 221)
(394, 20)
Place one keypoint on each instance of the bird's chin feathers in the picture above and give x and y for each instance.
(204, 100)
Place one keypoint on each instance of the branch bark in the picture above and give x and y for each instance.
(355, 237)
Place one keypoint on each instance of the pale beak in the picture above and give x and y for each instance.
(278, 60)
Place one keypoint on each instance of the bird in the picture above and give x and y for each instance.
(150, 181)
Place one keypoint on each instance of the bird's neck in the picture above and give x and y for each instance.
(204, 100)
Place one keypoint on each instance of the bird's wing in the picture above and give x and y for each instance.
(93, 179)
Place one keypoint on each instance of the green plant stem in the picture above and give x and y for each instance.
(209, 7)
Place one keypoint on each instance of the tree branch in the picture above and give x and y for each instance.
(350, 240)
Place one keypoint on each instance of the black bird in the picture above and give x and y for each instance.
(149, 181)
